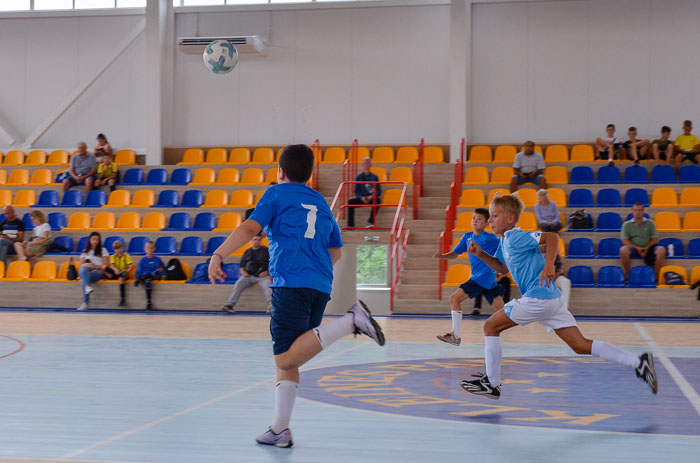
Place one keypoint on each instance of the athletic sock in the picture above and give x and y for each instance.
(148, 295)
(122, 290)
(494, 354)
(613, 353)
(456, 322)
(328, 333)
(285, 394)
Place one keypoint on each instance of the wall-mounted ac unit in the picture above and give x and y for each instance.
(244, 44)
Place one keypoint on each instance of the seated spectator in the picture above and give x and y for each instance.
(528, 167)
(640, 239)
(150, 268)
(687, 145)
(365, 193)
(547, 213)
(120, 265)
(663, 145)
(37, 245)
(94, 260)
(563, 283)
(107, 172)
(11, 232)
(608, 145)
(254, 269)
(103, 146)
(635, 149)
(503, 280)
(83, 167)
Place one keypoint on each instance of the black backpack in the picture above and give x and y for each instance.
(71, 272)
(579, 220)
(174, 270)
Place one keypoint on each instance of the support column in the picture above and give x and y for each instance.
(460, 73)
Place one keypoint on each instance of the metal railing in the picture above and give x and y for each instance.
(316, 148)
(451, 214)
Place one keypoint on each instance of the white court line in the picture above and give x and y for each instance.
(677, 376)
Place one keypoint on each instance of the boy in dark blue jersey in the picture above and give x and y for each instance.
(483, 278)
(305, 242)
(150, 268)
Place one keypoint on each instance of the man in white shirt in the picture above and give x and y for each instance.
(528, 167)
(607, 146)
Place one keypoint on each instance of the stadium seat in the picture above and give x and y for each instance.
(165, 246)
(263, 156)
(216, 198)
(24, 198)
(580, 248)
(536, 149)
(5, 197)
(137, 245)
(252, 176)
(228, 176)
(18, 270)
(82, 244)
(57, 158)
(501, 175)
(558, 196)
(667, 222)
(215, 156)
(143, 198)
(477, 176)
(191, 246)
(689, 174)
(581, 175)
(157, 177)
(167, 198)
(271, 176)
(41, 177)
(690, 197)
(401, 174)
(433, 155)
(609, 248)
(241, 198)
(181, 176)
(228, 221)
(78, 221)
(528, 221)
(582, 153)
(18, 177)
(65, 242)
(125, 158)
(636, 174)
(48, 198)
(213, 244)
(673, 268)
(609, 222)
(391, 198)
(611, 276)
(472, 197)
(694, 275)
(14, 158)
(691, 222)
(504, 153)
(3, 176)
(258, 195)
(608, 197)
(529, 196)
(103, 221)
(153, 221)
(561, 248)
(457, 274)
(239, 156)
(357, 154)
(406, 155)
(663, 174)
(95, 198)
(556, 175)
(636, 195)
(129, 221)
(28, 223)
(118, 198)
(664, 197)
(383, 155)
(580, 197)
(179, 221)
(108, 243)
(694, 248)
(193, 198)
(677, 247)
(203, 176)
(132, 177)
(480, 153)
(581, 276)
(204, 221)
(57, 220)
(556, 153)
(609, 175)
(334, 155)
(380, 172)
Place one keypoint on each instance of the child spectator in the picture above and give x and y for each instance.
(120, 265)
(103, 146)
(106, 172)
(37, 245)
(608, 145)
(687, 145)
(93, 262)
(150, 268)
(547, 213)
(634, 148)
(663, 145)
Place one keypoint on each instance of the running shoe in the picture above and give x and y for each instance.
(365, 324)
(283, 439)
(481, 386)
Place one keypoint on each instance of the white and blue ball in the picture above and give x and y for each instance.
(220, 57)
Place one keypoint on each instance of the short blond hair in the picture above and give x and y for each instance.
(511, 203)
(542, 192)
(40, 216)
(117, 245)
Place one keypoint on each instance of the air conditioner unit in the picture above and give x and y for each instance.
(244, 44)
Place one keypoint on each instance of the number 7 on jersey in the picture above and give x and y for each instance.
(310, 220)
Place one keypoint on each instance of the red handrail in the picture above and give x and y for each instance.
(349, 171)
(316, 148)
(421, 163)
(451, 214)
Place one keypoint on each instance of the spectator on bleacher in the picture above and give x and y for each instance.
(608, 145)
(365, 193)
(528, 167)
(38, 244)
(94, 260)
(663, 145)
(11, 232)
(103, 146)
(640, 239)
(687, 145)
(503, 280)
(106, 172)
(150, 268)
(563, 283)
(120, 265)
(254, 268)
(547, 212)
(635, 149)
(83, 167)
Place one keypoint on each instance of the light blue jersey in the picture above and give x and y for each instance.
(300, 227)
(520, 251)
(482, 274)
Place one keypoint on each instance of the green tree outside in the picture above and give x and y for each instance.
(371, 265)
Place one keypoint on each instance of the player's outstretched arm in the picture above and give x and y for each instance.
(475, 250)
(240, 236)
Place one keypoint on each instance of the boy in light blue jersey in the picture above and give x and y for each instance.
(519, 252)
(305, 242)
(483, 278)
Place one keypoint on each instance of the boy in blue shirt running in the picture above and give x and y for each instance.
(541, 301)
(150, 268)
(305, 242)
(483, 278)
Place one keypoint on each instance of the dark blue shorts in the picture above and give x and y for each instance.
(294, 312)
(73, 182)
(473, 289)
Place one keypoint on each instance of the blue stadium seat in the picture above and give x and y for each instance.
(48, 198)
(57, 220)
(179, 221)
(608, 197)
(609, 248)
(167, 198)
(663, 174)
(629, 216)
(28, 224)
(694, 248)
(232, 272)
(137, 245)
(581, 276)
(192, 198)
(82, 244)
(642, 276)
(109, 243)
(581, 175)
(180, 176)
(677, 247)
(201, 267)
(636, 174)
(689, 174)
(191, 246)
(611, 276)
(72, 198)
(157, 177)
(609, 174)
(96, 198)
(213, 244)
(166, 245)
(636, 195)
(132, 177)
(64, 241)
(581, 197)
(580, 248)
(609, 222)
(204, 221)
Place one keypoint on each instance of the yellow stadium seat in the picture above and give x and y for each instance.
(35, 158)
(464, 255)
(258, 195)
(457, 274)
(464, 222)
(130, 221)
(18, 177)
(664, 197)
(691, 222)
(153, 221)
(241, 198)
(528, 221)
(561, 248)
(472, 197)
(672, 268)
(401, 174)
(57, 158)
(142, 198)
(582, 153)
(505, 153)
(203, 176)
(118, 198)
(18, 270)
(476, 176)
(239, 156)
(391, 198)
(556, 153)
(433, 155)
(63, 272)
(667, 222)
(125, 158)
(3, 176)
(263, 156)
(558, 196)
(358, 154)
(380, 172)
(78, 221)
(228, 176)
(192, 156)
(216, 198)
(104, 221)
(480, 153)
(252, 176)
(536, 149)
(694, 275)
(529, 196)
(14, 158)
(690, 197)
(501, 175)
(2, 266)
(271, 176)
(383, 155)
(41, 177)
(228, 221)
(406, 155)
(492, 193)
(216, 156)
(44, 270)
(556, 175)
(334, 155)
(5, 197)
(24, 198)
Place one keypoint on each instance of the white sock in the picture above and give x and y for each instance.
(285, 394)
(328, 333)
(456, 322)
(613, 353)
(494, 354)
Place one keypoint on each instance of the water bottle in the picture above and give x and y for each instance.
(670, 250)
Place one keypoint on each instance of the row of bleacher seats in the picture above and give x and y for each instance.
(56, 158)
(553, 153)
(558, 175)
(609, 248)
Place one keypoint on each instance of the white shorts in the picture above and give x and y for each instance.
(551, 313)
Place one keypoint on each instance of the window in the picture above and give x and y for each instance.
(202, 2)
(14, 5)
(244, 2)
(53, 4)
(79, 4)
(371, 265)
(134, 3)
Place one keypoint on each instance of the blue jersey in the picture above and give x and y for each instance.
(520, 251)
(482, 274)
(301, 228)
(152, 265)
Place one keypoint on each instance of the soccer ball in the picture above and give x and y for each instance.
(220, 57)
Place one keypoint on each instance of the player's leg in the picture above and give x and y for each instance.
(454, 336)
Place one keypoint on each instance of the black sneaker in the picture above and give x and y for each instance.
(481, 386)
(149, 307)
(636, 162)
(228, 308)
(476, 312)
(122, 303)
(647, 372)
